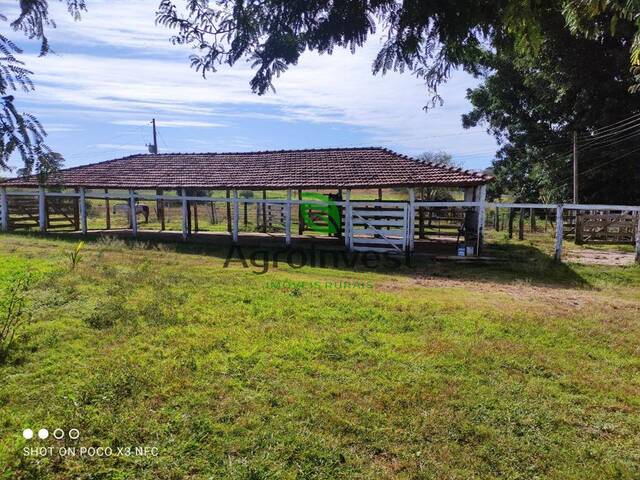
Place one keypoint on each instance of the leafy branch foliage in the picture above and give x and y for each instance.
(13, 314)
(22, 133)
(429, 39)
(532, 104)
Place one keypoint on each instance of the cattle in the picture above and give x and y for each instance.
(124, 209)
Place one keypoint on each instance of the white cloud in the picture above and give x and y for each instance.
(134, 72)
(169, 123)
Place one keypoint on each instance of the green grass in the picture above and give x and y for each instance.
(518, 369)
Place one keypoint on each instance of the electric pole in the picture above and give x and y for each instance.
(154, 148)
(575, 167)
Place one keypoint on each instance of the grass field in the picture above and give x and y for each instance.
(520, 369)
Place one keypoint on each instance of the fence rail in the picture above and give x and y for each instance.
(348, 205)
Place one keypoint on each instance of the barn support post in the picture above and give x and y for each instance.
(481, 219)
(214, 220)
(160, 209)
(559, 233)
(347, 219)
(185, 215)
(411, 217)
(4, 209)
(83, 211)
(42, 209)
(107, 209)
(638, 237)
(134, 214)
(497, 220)
(236, 216)
(196, 227)
(229, 228)
(264, 212)
(471, 217)
(189, 192)
(287, 219)
(76, 210)
(300, 222)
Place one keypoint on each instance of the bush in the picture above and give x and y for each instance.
(13, 314)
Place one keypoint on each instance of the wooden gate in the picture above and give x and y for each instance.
(606, 227)
(24, 213)
(379, 227)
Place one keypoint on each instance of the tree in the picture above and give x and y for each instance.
(533, 103)
(22, 133)
(437, 194)
(427, 38)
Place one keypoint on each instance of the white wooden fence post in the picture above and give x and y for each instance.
(287, 219)
(133, 212)
(481, 219)
(559, 233)
(42, 209)
(83, 211)
(347, 220)
(411, 221)
(638, 238)
(236, 216)
(4, 209)
(185, 215)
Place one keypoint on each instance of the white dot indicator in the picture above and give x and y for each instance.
(74, 434)
(43, 433)
(27, 433)
(58, 434)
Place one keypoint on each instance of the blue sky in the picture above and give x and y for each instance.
(115, 70)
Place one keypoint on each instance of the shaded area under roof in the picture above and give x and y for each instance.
(320, 168)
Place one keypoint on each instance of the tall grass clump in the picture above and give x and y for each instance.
(13, 313)
(75, 256)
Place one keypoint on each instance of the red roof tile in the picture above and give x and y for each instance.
(321, 168)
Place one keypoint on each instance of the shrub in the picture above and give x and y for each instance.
(13, 314)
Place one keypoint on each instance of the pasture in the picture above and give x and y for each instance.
(519, 369)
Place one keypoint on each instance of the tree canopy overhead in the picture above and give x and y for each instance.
(533, 103)
(20, 132)
(428, 38)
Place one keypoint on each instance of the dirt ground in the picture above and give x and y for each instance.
(599, 257)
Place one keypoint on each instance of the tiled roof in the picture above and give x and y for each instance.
(321, 168)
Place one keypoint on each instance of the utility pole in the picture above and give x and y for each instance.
(154, 148)
(575, 167)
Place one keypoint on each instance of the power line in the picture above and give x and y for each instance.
(612, 134)
(613, 141)
(611, 126)
(566, 180)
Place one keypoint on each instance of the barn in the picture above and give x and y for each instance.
(363, 199)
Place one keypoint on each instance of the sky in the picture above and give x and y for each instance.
(115, 70)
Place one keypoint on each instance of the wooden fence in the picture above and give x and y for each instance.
(233, 203)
